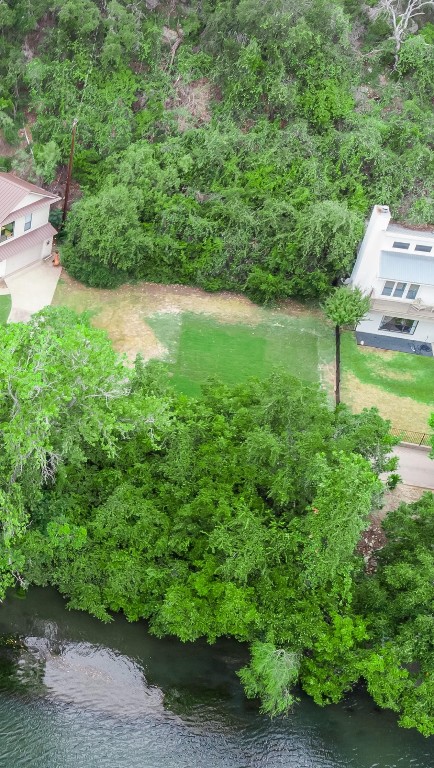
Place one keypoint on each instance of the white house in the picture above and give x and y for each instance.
(395, 267)
(26, 236)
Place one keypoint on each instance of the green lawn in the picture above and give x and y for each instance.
(5, 308)
(223, 335)
(398, 373)
(200, 346)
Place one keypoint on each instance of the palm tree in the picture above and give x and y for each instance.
(346, 306)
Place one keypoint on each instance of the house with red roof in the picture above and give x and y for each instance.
(26, 236)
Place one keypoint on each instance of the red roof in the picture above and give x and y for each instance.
(13, 189)
(24, 242)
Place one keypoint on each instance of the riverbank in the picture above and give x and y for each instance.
(74, 691)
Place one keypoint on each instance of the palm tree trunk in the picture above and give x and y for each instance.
(338, 365)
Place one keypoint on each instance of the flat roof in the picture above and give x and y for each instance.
(401, 229)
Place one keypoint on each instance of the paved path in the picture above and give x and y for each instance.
(32, 289)
(415, 466)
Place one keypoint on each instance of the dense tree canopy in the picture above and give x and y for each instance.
(231, 144)
(237, 514)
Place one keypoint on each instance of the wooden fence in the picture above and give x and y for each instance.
(409, 436)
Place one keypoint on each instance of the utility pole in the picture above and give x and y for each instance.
(68, 174)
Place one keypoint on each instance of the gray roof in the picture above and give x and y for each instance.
(407, 267)
(426, 232)
(23, 242)
(13, 189)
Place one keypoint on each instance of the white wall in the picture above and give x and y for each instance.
(39, 218)
(367, 263)
(31, 197)
(424, 330)
(23, 259)
(425, 293)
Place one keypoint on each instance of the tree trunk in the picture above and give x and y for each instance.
(338, 365)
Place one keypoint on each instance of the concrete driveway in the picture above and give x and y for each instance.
(32, 289)
(415, 466)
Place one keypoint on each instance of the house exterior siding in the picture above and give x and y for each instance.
(21, 201)
(21, 260)
(402, 257)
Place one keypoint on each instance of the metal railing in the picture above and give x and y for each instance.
(409, 436)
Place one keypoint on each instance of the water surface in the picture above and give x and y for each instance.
(75, 692)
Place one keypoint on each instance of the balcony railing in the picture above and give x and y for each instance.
(416, 309)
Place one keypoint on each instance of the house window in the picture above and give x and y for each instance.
(391, 288)
(412, 291)
(388, 288)
(397, 290)
(27, 222)
(398, 325)
(7, 231)
(403, 246)
(424, 248)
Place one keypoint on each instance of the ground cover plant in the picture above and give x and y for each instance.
(401, 374)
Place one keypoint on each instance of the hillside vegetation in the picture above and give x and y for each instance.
(230, 145)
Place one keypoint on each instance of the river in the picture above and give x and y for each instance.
(76, 693)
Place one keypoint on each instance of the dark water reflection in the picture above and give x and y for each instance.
(75, 692)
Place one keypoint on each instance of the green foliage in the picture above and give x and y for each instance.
(47, 158)
(219, 528)
(105, 229)
(398, 602)
(63, 392)
(271, 674)
(237, 514)
(346, 306)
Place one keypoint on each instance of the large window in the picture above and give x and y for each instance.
(27, 222)
(398, 325)
(412, 291)
(397, 290)
(7, 231)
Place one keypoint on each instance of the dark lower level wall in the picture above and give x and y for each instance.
(412, 346)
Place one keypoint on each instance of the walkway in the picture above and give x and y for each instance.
(415, 466)
(32, 289)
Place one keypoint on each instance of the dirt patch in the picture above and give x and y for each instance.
(402, 494)
(123, 312)
(296, 309)
(6, 150)
(374, 538)
(403, 412)
(191, 101)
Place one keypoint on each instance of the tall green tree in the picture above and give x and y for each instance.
(346, 306)
(63, 393)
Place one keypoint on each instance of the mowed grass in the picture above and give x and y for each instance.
(5, 308)
(400, 385)
(201, 335)
(200, 347)
(399, 373)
